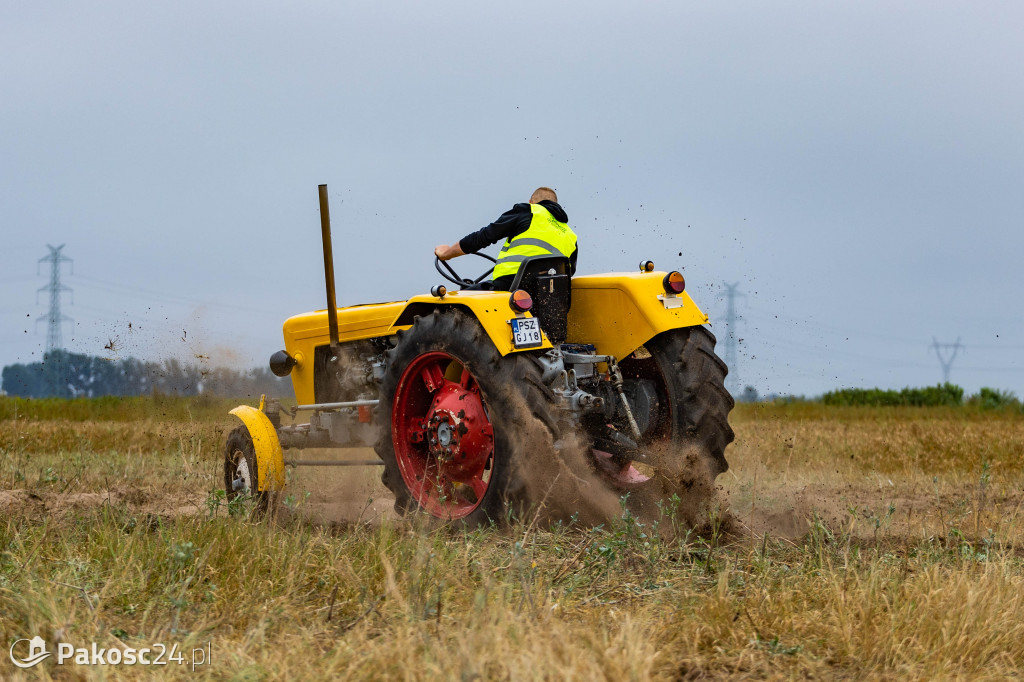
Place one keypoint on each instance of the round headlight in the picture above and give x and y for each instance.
(281, 363)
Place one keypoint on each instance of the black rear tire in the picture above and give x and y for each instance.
(698, 402)
(683, 449)
(519, 407)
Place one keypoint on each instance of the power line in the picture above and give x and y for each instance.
(172, 299)
(820, 326)
(781, 318)
(18, 278)
(775, 343)
(136, 291)
(995, 346)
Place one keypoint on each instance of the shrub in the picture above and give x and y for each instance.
(941, 395)
(994, 399)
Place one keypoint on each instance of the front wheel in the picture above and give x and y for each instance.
(240, 472)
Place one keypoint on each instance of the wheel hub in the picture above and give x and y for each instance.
(243, 477)
(444, 434)
(460, 436)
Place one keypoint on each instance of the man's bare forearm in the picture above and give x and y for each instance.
(447, 252)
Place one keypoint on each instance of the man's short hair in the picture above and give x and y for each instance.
(542, 193)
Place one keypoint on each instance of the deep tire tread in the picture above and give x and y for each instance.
(500, 379)
(702, 405)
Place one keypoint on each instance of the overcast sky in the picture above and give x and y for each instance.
(857, 167)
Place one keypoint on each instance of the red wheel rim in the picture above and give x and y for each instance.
(444, 442)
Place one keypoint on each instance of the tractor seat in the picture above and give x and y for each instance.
(547, 280)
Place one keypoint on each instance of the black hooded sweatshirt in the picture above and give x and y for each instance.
(511, 223)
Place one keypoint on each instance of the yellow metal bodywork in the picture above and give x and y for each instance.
(304, 333)
(619, 312)
(269, 457)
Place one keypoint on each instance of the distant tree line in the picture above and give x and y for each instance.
(931, 396)
(70, 375)
(941, 395)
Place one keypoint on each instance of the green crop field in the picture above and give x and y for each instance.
(851, 542)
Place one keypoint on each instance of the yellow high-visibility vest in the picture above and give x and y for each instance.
(545, 236)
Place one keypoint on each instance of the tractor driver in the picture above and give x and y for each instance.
(535, 229)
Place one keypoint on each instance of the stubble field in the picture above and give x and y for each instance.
(846, 543)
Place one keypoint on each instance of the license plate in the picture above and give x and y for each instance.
(525, 332)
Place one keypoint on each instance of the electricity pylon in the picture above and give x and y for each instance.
(947, 363)
(732, 380)
(54, 317)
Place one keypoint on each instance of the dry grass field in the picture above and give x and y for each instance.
(846, 543)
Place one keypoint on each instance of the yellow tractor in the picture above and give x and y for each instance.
(453, 388)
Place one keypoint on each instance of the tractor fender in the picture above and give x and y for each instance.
(619, 312)
(269, 456)
(489, 308)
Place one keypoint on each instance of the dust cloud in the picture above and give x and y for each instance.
(562, 482)
(552, 481)
(558, 482)
(337, 495)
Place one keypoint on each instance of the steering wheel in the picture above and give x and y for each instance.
(463, 282)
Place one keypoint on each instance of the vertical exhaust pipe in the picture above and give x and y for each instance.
(332, 303)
